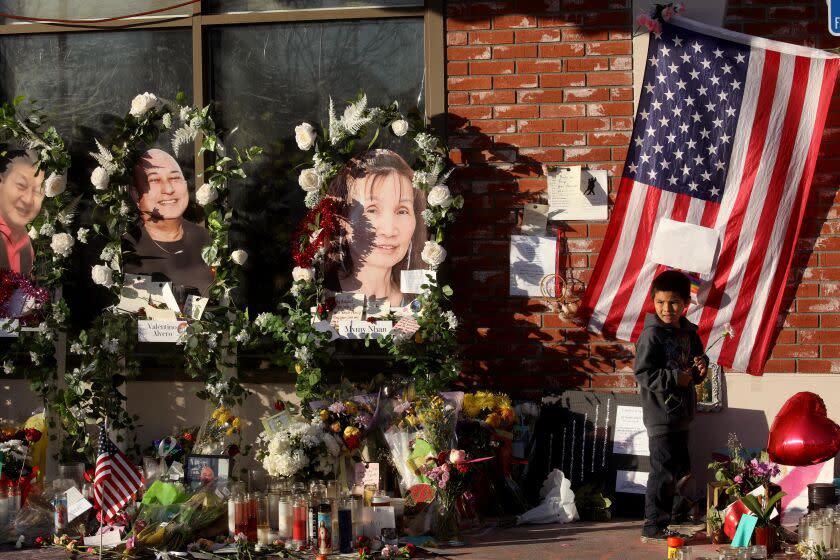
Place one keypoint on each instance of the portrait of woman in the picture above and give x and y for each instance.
(381, 232)
(21, 195)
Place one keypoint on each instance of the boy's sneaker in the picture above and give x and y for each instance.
(661, 536)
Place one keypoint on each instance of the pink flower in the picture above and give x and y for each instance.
(738, 479)
(668, 13)
(457, 456)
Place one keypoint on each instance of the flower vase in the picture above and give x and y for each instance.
(766, 536)
(446, 529)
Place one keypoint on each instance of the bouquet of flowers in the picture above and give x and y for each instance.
(740, 473)
(451, 475)
(214, 435)
(16, 458)
(172, 527)
(300, 450)
(493, 408)
(348, 420)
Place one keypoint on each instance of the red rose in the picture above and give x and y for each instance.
(352, 441)
(32, 435)
(371, 319)
(39, 541)
(233, 450)
(188, 436)
(279, 406)
(410, 549)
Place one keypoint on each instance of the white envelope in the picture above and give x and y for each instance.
(684, 246)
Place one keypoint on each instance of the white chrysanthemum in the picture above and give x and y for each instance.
(305, 136)
(309, 179)
(33, 233)
(427, 216)
(439, 196)
(65, 218)
(166, 121)
(82, 235)
(46, 229)
(451, 320)
(262, 320)
(142, 104)
(184, 114)
(399, 127)
(426, 142)
(243, 337)
(55, 185)
(58, 314)
(433, 254)
(102, 275)
(312, 199)
(111, 345)
(62, 244)
(107, 253)
(206, 194)
(303, 274)
(239, 256)
(100, 179)
(302, 354)
(76, 348)
(124, 208)
(36, 360)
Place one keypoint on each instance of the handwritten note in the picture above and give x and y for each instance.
(577, 195)
(194, 306)
(76, 504)
(630, 436)
(377, 307)
(412, 280)
(684, 246)
(531, 258)
(348, 306)
(631, 482)
(367, 473)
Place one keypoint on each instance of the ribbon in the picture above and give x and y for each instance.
(166, 447)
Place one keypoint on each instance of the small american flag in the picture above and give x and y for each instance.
(115, 479)
(726, 137)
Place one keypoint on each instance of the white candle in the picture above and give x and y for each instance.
(231, 516)
(264, 534)
(284, 518)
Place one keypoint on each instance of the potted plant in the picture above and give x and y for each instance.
(715, 525)
(762, 508)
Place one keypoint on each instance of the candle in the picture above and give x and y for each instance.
(300, 515)
(264, 534)
(231, 511)
(284, 518)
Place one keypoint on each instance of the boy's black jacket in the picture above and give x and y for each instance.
(662, 352)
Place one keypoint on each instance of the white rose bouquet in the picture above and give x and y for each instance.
(305, 136)
(433, 254)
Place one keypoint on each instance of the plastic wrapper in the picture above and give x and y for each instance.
(35, 519)
(558, 502)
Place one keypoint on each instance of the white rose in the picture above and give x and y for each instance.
(206, 194)
(102, 275)
(309, 179)
(305, 136)
(304, 274)
(100, 179)
(55, 185)
(239, 256)
(433, 254)
(62, 243)
(142, 103)
(400, 127)
(439, 196)
(33, 233)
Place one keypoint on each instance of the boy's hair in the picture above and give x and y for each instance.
(672, 281)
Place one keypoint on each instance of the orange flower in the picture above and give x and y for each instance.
(508, 416)
(324, 414)
(336, 427)
(494, 420)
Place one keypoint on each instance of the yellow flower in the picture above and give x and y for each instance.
(418, 338)
(230, 431)
(351, 431)
(484, 400)
(350, 407)
(324, 414)
(502, 401)
(471, 409)
(494, 420)
(235, 423)
(298, 369)
(507, 415)
(335, 427)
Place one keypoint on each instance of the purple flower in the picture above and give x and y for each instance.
(364, 420)
(337, 407)
(402, 406)
(738, 479)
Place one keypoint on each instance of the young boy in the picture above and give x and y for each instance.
(669, 362)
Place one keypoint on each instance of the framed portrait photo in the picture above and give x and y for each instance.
(204, 469)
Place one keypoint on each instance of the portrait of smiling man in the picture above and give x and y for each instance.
(21, 195)
(165, 246)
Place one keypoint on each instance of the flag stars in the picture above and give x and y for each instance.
(669, 95)
(645, 158)
(649, 88)
(644, 114)
(651, 131)
(730, 111)
(724, 138)
(696, 116)
(656, 105)
(691, 144)
(657, 148)
(735, 84)
(706, 176)
(714, 79)
(685, 58)
(710, 107)
(678, 154)
(722, 96)
(672, 180)
(686, 170)
(718, 53)
(718, 123)
(653, 60)
(665, 50)
(712, 150)
(663, 121)
(698, 161)
(638, 140)
(680, 84)
(673, 68)
(704, 133)
(705, 64)
(698, 48)
(692, 186)
(671, 138)
(715, 191)
(689, 101)
(677, 111)
(677, 41)
(739, 58)
(652, 174)
(664, 164)
(702, 90)
(632, 168)
(694, 74)
(726, 69)
(719, 165)
(684, 128)
(661, 78)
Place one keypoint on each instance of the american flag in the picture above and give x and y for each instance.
(115, 479)
(726, 137)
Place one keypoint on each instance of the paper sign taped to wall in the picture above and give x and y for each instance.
(631, 482)
(684, 246)
(630, 436)
(531, 258)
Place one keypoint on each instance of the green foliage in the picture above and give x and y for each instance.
(762, 508)
(591, 504)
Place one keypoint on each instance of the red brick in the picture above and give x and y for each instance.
(609, 48)
(612, 381)
(501, 82)
(587, 64)
(820, 336)
(562, 80)
(470, 83)
(796, 351)
(490, 37)
(609, 109)
(457, 68)
(780, 366)
(543, 155)
(541, 125)
(577, 34)
(609, 79)
(538, 66)
(518, 140)
(586, 94)
(621, 94)
(492, 67)
(621, 63)
(457, 24)
(468, 53)
(456, 38)
(538, 35)
(514, 21)
(622, 123)
(609, 138)
(830, 351)
(587, 124)
(588, 154)
(516, 111)
(494, 126)
(471, 112)
(817, 366)
(515, 51)
(563, 110)
(458, 97)
(493, 97)
(563, 139)
(540, 96)
(562, 49)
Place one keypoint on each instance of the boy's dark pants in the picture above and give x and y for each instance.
(669, 461)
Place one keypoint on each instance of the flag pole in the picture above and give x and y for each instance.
(101, 511)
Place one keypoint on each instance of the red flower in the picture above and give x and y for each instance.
(32, 435)
(371, 319)
(39, 541)
(352, 441)
(279, 406)
(188, 436)
(410, 549)
(463, 468)
(233, 450)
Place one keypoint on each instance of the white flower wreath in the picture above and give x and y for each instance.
(432, 358)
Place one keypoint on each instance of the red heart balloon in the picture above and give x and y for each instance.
(802, 434)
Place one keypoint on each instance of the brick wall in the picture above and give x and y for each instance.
(534, 82)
